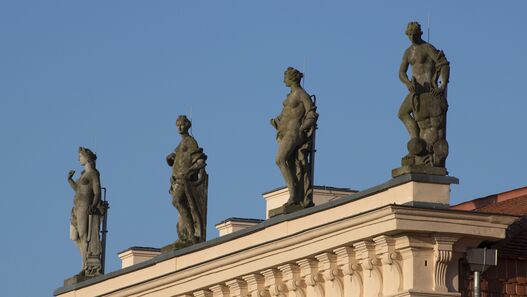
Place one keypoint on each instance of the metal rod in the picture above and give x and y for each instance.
(312, 157)
(428, 29)
(477, 288)
(104, 231)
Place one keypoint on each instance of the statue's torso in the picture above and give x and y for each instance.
(293, 113)
(84, 189)
(183, 158)
(423, 66)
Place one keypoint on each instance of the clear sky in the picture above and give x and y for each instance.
(114, 76)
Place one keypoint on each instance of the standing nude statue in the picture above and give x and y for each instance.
(87, 214)
(423, 111)
(295, 130)
(188, 187)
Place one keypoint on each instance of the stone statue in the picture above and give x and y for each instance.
(423, 111)
(86, 215)
(188, 187)
(296, 127)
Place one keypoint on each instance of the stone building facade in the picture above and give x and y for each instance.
(401, 238)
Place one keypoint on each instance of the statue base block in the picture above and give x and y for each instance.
(421, 169)
(286, 208)
(75, 279)
(175, 246)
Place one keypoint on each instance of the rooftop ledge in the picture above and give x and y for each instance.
(353, 207)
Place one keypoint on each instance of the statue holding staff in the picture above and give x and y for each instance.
(86, 215)
(295, 127)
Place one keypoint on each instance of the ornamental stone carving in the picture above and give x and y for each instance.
(327, 265)
(220, 290)
(273, 282)
(442, 255)
(291, 278)
(371, 274)
(255, 285)
(348, 265)
(310, 274)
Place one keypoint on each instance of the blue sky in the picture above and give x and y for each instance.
(114, 76)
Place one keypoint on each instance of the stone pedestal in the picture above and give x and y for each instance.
(75, 279)
(285, 209)
(175, 246)
(275, 199)
(418, 169)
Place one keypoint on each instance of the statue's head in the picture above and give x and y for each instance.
(86, 156)
(413, 31)
(291, 75)
(183, 124)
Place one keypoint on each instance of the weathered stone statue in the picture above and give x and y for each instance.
(423, 111)
(295, 127)
(86, 216)
(188, 187)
